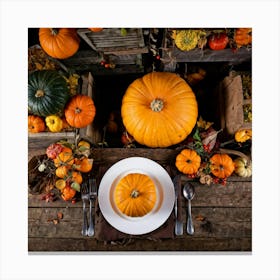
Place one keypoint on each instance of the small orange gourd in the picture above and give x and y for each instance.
(243, 36)
(77, 177)
(221, 165)
(64, 158)
(35, 124)
(68, 193)
(84, 164)
(95, 29)
(62, 171)
(188, 161)
(135, 195)
(80, 111)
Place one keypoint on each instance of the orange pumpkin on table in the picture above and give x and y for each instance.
(135, 195)
(221, 165)
(188, 161)
(159, 109)
(80, 111)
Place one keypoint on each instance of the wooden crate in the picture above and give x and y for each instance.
(110, 41)
(44, 139)
(231, 104)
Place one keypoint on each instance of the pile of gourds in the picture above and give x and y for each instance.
(52, 106)
(189, 39)
(70, 163)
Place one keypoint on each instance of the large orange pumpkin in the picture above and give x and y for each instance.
(80, 111)
(188, 161)
(135, 195)
(221, 165)
(59, 43)
(159, 109)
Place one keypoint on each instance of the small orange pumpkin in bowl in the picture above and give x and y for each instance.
(135, 195)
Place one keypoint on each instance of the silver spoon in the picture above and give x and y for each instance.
(188, 192)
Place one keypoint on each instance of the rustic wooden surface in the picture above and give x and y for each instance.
(222, 216)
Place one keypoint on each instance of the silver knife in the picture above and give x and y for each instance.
(179, 230)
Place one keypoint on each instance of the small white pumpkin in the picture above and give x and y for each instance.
(243, 167)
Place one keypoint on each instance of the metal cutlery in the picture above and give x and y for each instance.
(92, 196)
(178, 224)
(85, 198)
(188, 192)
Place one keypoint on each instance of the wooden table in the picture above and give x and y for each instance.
(222, 216)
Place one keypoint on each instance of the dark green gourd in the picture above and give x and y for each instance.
(47, 92)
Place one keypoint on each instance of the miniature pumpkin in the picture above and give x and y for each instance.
(62, 171)
(243, 167)
(80, 111)
(185, 40)
(218, 41)
(188, 161)
(243, 36)
(54, 150)
(64, 158)
(221, 165)
(77, 177)
(47, 92)
(68, 193)
(59, 43)
(54, 123)
(95, 29)
(159, 109)
(135, 195)
(243, 135)
(83, 164)
(35, 124)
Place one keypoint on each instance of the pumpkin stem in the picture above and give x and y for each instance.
(54, 31)
(39, 93)
(78, 110)
(157, 105)
(134, 194)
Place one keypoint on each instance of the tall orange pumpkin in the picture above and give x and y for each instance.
(159, 109)
(59, 43)
(135, 195)
(80, 111)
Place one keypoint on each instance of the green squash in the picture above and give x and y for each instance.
(47, 92)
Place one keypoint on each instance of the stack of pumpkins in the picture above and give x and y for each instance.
(50, 103)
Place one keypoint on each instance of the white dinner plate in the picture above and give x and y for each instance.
(162, 208)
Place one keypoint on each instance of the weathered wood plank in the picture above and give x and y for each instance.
(188, 244)
(207, 55)
(218, 222)
(234, 194)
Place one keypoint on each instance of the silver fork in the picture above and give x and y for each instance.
(92, 196)
(85, 198)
